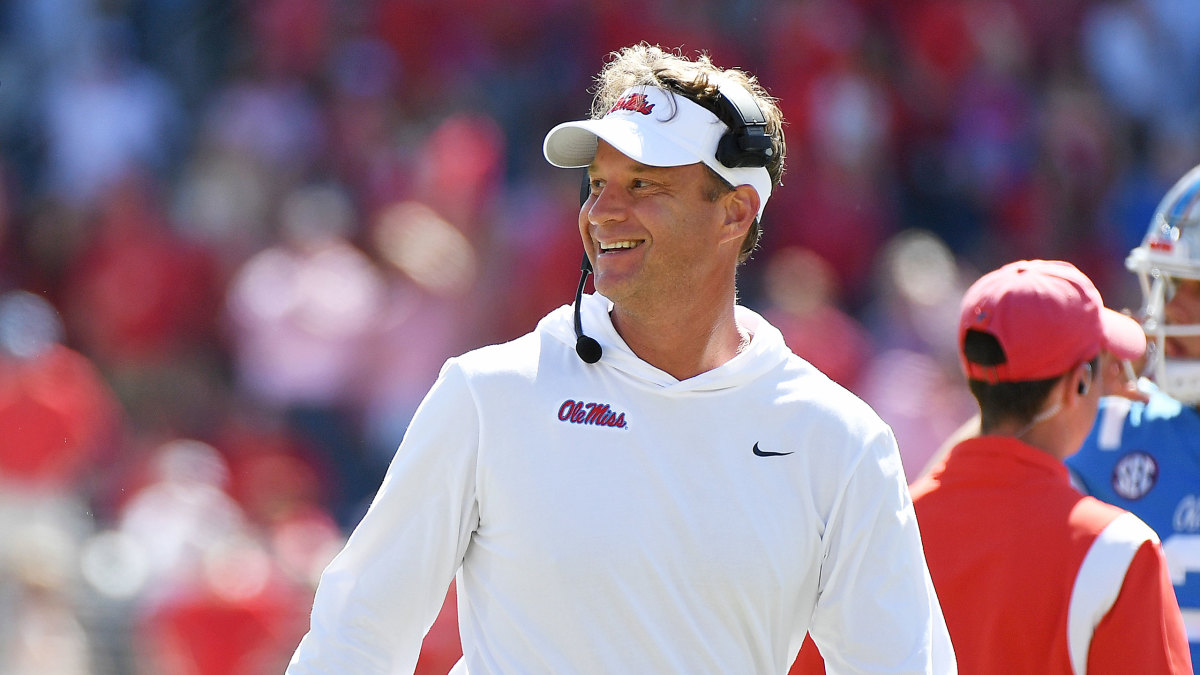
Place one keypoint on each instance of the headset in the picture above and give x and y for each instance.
(747, 143)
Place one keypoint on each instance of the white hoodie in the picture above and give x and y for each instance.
(608, 518)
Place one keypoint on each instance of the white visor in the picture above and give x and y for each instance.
(656, 128)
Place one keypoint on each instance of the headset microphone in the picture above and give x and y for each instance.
(586, 347)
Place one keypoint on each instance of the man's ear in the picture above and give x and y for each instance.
(741, 208)
(1080, 381)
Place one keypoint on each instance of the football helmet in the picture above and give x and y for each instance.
(1170, 252)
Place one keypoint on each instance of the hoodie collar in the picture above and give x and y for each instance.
(765, 351)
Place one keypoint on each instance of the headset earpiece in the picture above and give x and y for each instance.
(747, 143)
(1084, 386)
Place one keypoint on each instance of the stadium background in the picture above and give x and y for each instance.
(261, 225)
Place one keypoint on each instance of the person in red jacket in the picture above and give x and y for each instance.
(1032, 575)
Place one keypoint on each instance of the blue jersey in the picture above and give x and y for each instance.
(1146, 458)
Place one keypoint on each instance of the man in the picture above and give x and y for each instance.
(667, 491)
(1033, 576)
(1144, 456)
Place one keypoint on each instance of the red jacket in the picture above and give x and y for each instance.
(1034, 577)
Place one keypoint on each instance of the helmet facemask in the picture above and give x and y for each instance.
(1170, 253)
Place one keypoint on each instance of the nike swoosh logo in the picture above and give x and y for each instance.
(764, 453)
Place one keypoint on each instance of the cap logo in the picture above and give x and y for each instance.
(633, 103)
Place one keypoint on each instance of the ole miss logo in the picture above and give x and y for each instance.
(633, 103)
(595, 414)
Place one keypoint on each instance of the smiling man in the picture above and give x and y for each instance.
(649, 482)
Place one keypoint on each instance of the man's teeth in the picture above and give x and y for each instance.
(613, 245)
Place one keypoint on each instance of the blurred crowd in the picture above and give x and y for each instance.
(238, 238)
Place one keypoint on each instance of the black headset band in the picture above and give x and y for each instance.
(740, 107)
(747, 143)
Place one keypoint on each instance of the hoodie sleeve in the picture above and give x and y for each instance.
(877, 611)
(381, 593)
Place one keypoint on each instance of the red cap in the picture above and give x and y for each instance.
(1048, 317)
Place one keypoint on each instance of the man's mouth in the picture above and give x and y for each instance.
(611, 246)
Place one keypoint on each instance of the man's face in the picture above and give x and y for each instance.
(1184, 308)
(653, 232)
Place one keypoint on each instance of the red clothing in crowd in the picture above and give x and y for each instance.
(56, 415)
(202, 632)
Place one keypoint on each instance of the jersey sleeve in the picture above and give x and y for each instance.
(380, 594)
(1143, 632)
(877, 610)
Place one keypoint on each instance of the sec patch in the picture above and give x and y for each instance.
(1134, 475)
